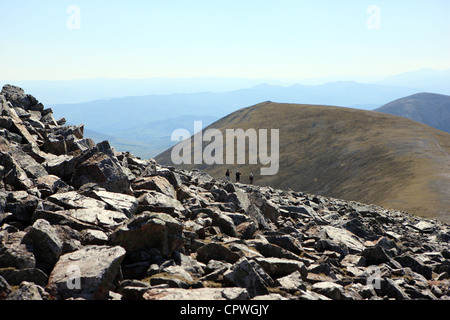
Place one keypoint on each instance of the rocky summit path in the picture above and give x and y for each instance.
(79, 220)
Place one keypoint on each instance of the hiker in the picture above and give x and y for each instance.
(251, 177)
(238, 176)
(227, 174)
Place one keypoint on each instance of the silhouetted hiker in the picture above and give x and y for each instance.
(227, 174)
(238, 176)
(251, 177)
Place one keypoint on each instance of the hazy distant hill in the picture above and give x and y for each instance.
(428, 108)
(128, 118)
(426, 79)
(84, 90)
(350, 154)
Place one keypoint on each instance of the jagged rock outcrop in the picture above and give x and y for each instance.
(79, 220)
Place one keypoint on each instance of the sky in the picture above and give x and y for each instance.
(282, 39)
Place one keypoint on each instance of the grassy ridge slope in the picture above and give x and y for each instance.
(349, 154)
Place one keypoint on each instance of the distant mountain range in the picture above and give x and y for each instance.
(85, 90)
(347, 154)
(428, 108)
(138, 115)
(132, 118)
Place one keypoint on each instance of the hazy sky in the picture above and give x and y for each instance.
(76, 39)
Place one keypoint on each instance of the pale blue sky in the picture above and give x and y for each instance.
(283, 39)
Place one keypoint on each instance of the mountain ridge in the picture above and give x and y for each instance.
(428, 108)
(82, 221)
(349, 154)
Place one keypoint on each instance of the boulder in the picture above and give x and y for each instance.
(17, 97)
(390, 289)
(61, 166)
(90, 218)
(156, 183)
(408, 261)
(292, 282)
(331, 290)
(240, 199)
(47, 246)
(14, 175)
(14, 254)
(285, 241)
(5, 288)
(116, 201)
(375, 255)
(88, 273)
(278, 267)
(74, 200)
(158, 202)
(244, 275)
(150, 230)
(344, 237)
(17, 125)
(27, 291)
(197, 294)
(93, 237)
(216, 251)
(270, 250)
(100, 166)
(50, 184)
(15, 277)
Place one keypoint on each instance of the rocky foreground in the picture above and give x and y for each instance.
(79, 220)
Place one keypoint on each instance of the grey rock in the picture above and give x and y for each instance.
(375, 255)
(116, 201)
(244, 275)
(286, 242)
(292, 282)
(17, 126)
(331, 290)
(389, 288)
(225, 223)
(61, 166)
(278, 267)
(158, 202)
(5, 288)
(27, 291)
(99, 165)
(17, 96)
(415, 265)
(87, 273)
(50, 184)
(14, 254)
(216, 251)
(46, 244)
(93, 237)
(74, 200)
(14, 277)
(240, 199)
(150, 230)
(344, 237)
(156, 183)
(197, 294)
(14, 175)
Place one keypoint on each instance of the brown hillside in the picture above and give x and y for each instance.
(349, 154)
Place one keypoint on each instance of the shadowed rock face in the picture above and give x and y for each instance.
(96, 224)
